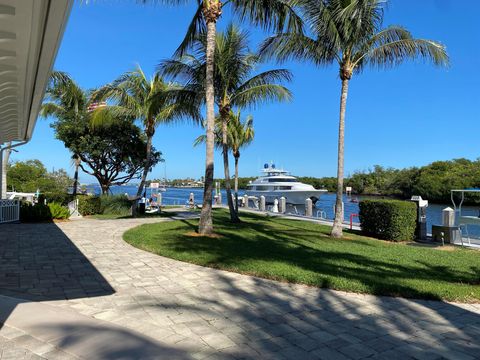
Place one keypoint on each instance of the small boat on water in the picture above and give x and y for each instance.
(276, 183)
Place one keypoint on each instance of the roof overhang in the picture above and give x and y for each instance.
(30, 35)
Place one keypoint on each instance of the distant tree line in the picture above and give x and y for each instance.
(433, 182)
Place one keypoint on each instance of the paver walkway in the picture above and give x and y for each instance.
(85, 266)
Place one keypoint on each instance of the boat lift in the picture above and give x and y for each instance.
(461, 219)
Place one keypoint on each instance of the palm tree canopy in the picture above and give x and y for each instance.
(274, 15)
(64, 98)
(350, 32)
(152, 101)
(239, 133)
(234, 64)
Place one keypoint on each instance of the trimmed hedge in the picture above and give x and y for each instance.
(393, 220)
(89, 205)
(35, 213)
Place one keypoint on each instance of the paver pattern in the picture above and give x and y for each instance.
(210, 314)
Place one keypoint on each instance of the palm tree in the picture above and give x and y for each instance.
(151, 101)
(65, 99)
(76, 160)
(350, 33)
(269, 14)
(236, 87)
(239, 135)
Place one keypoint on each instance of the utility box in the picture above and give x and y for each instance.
(421, 230)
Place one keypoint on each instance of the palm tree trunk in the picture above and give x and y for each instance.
(337, 230)
(75, 177)
(205, 226)
(236, 183)
(228, 187)
(147, 163)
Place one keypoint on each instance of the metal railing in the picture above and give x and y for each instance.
(9, 211)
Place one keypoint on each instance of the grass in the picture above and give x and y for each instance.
(124, 216)
(302, 252)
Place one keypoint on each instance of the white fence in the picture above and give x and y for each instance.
(9, 211)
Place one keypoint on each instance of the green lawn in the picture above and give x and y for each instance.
(302, 252)
(124, 216)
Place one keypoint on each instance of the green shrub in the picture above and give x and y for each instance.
(388, 219)
(115, 205)
(58, 197)
(89, 205)
(35, 213)
(58, 211)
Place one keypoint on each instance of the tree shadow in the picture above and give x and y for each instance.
(265, 319)
(324, 268)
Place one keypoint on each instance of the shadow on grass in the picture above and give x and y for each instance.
(286, 251)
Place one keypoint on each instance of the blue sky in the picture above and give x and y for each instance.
(407, 116)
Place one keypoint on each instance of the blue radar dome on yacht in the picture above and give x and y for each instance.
(265, 166)
(273, 166)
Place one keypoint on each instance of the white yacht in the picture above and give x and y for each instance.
(276, 183)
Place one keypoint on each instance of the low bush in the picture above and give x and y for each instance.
(58, 211)
(89, 205)
(41, 212)
(35, 213)
(115, 205)
(58, 197)
(393, 220)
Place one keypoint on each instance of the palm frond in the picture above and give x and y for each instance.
(260, 94)
(276, 15)
(197, 26)
(395, 52)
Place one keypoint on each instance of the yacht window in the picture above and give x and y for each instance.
(283, 188)
(282, 180)
(261, 188)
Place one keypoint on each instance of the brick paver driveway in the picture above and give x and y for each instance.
(206, 313)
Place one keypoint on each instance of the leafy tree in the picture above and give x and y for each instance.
(350, 33)
(270, 14)
(151, 101)
(114, 154)
(30, 175)
(236, 85)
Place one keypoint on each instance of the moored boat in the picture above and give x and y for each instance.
(276, 183)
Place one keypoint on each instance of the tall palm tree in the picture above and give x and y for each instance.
(152, 101)
(350, 33)
(269, 14)
(76, 163)
(65, 99)
(239, 135)
(236, 87)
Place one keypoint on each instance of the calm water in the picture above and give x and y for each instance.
(179, 196)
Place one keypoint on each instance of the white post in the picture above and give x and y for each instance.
(219, 198)
(245, 201)
(309, 207)
(262, 203)
(283, 205)
(448, 217)
(159, 199)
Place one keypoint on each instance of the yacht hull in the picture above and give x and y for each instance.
(294, 197)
